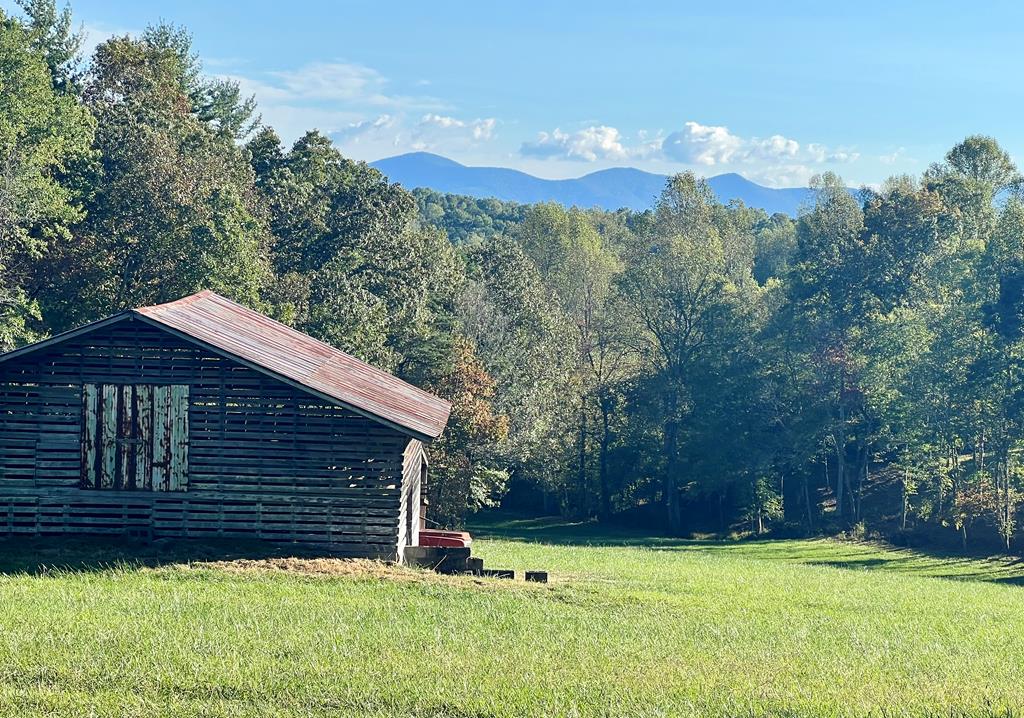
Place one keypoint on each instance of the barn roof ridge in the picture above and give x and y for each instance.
(206, 293)
(287, 354)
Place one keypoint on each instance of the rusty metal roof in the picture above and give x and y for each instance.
(300, 359)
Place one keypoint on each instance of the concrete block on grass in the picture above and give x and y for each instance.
(498, 573)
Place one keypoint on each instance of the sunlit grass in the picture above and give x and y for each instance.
(628, 626)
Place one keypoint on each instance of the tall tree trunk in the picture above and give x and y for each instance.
(807, 503)
(721, 512)
(782, 493)
(671, 483)
(671, 476)
(606, 491)
(951, 473)
(840, 441)
(1007, 507)
(862, 477)
(1005, 470)
(906, 499)
(981, 463)
(581, 469)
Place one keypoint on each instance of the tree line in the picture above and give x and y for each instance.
(702, 366)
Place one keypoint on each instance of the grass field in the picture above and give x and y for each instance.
(629, 626)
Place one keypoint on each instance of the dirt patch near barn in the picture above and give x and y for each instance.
(359, 569)
(354, 568)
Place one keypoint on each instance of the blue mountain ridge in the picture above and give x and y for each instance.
(608, 189)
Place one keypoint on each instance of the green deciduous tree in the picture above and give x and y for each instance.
(354, 268)
(466, 469)
(525, 344)
(676, 285)
(42, 134)
(53, 36)
(172, 207)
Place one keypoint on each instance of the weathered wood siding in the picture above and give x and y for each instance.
(259, 458)
(409, 518)
(135, 437)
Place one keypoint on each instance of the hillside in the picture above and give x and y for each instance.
(608, 189)
(629, 625)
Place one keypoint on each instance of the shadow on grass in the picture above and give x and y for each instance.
(39, 555)
(993, 570)
(556, 530)
(847, 555)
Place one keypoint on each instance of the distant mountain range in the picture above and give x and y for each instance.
(609, 189)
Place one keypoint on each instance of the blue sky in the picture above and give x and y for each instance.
(775, 92)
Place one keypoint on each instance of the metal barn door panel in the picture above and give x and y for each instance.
(135, 437)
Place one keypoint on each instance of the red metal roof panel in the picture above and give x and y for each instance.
(279, 349)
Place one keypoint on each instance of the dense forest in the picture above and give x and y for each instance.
(702, 367)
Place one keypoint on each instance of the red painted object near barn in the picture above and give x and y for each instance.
(445, 539)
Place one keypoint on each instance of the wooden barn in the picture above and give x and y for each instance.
(201, 418)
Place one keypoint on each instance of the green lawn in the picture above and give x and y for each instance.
(629, 626)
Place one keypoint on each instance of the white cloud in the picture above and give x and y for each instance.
(354, 105)
(380, 128)
(711, 145)
(647, 146)
(820, 153)
(337, 98)
(775, 160)
(321, 82)
(781, 175)
(443, 133)
(589, 144)
(703, 145)
(480, 129)
(387, 134)
(483, 129)
(843, 156)
(330, 81)
(774, 147)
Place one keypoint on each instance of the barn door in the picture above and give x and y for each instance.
(135, 437)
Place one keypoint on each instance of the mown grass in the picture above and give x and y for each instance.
(629, 626)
